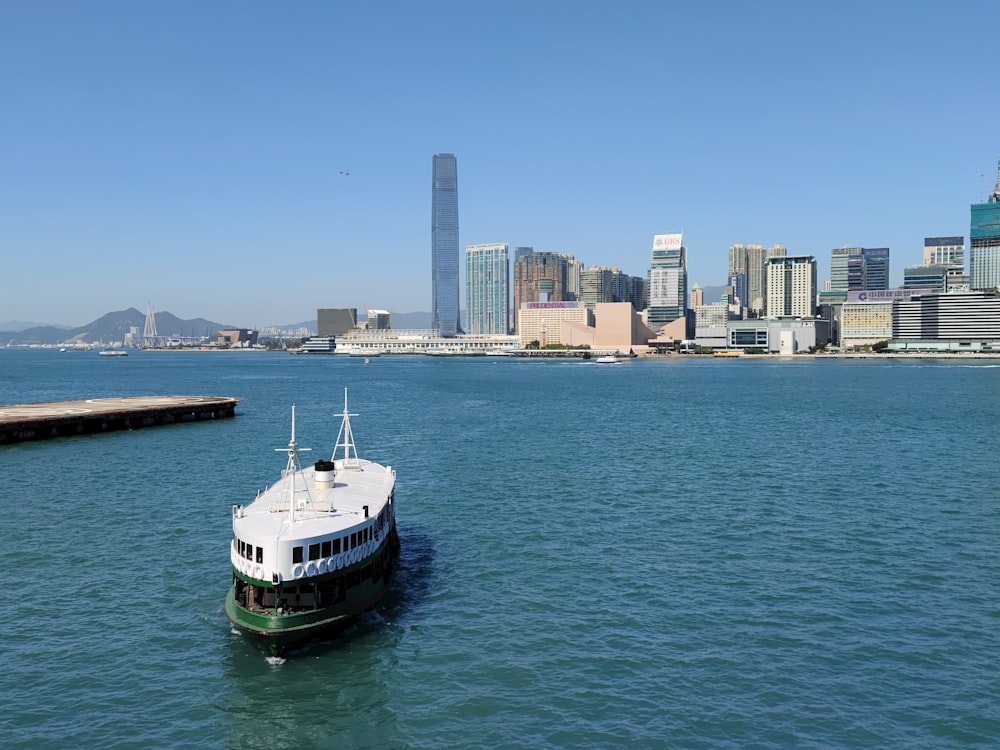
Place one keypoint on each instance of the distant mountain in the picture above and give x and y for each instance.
(113, 327)
(20, 325)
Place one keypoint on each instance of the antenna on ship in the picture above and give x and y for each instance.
(345, 440)
(292, 468)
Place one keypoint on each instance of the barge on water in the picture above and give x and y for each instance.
(315, 549)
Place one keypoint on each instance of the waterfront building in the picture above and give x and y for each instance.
(379, 320)
(791, 287)
(612, 328)
(238, 338)
(444, 246)
(372, 343)
(543, 321)
(336, 321)
(984, 242)
(667, 281)
(541, 277)
(865, 323)
(710, 324)
(620, 327)
(777, 335)
(961, 321)
(487, 283)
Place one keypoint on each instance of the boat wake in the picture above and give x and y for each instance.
(275, 661)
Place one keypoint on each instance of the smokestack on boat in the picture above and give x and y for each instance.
(324, 475)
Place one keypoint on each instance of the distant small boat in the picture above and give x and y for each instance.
(113, 353)
(608, 359)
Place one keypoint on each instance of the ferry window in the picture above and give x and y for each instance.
(354, 540)
(242, 548)
(336, 546)
(314, 551)
(296, 555)
(260, 554)
(326, 548)
(249, 552)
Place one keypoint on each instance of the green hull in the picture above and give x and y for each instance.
(278, 629)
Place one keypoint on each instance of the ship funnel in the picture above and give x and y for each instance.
(325, 472)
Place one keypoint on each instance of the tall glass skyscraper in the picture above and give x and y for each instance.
(487, 284)
(859, 269)
(984, 241)
(668, 290)
(444, 245)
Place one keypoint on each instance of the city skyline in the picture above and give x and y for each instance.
(150, 157)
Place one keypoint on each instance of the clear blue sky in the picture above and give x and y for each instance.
(189, 152)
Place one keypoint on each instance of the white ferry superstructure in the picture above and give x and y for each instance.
(316, 548)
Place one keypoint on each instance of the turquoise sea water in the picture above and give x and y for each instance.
(685, 553)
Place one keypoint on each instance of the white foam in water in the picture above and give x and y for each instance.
(275, 661)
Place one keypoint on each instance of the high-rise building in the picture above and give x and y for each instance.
(697, 298)
(750, 261)
(839, 259)
(984, 242)
(444, 246)
(859, 269)
(487, 284)
(667, 280)
(931, 278)
(597, 285)
(791, 287)
(944, 251)
(539, 277)
(574, 267)
(876, 268)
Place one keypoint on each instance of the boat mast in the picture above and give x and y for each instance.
(345, 440)
(292, 468)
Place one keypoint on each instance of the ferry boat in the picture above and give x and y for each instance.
(315, 549)
(608, 359)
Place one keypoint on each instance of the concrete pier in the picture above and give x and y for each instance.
(40, 421)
